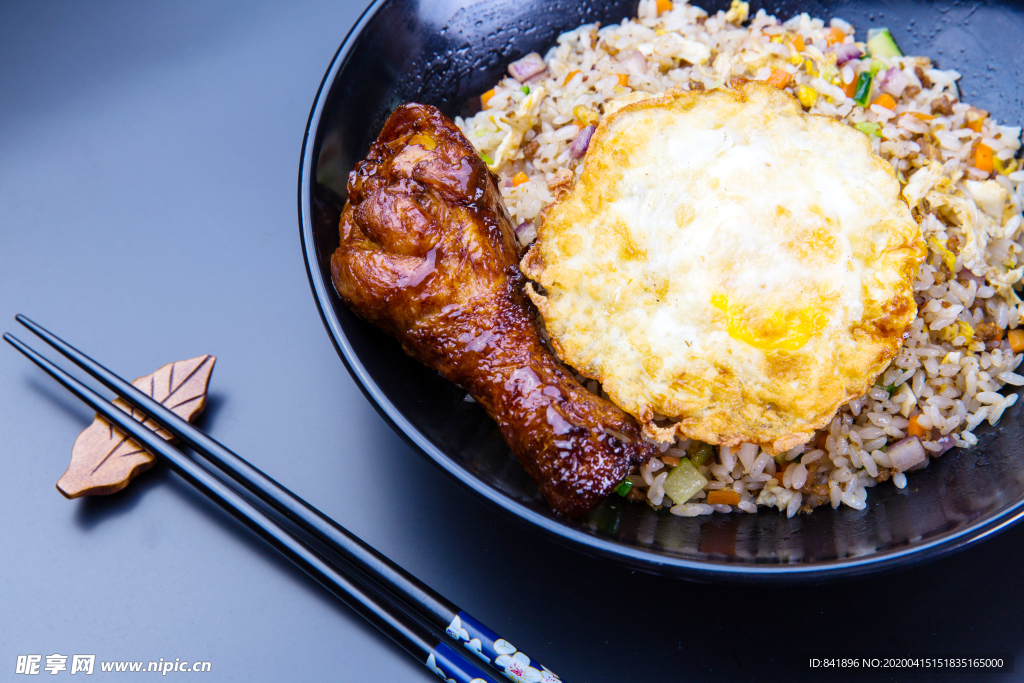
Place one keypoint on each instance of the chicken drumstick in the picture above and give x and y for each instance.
(428, 255)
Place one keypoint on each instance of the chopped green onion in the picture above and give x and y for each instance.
(624, 488)
(881, 44)
(525, 89)
(780, 458)
(863, 90)
(869, 128)
(701, 453)
(487, 159)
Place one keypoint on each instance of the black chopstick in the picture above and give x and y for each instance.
(418, 641)
(437, 610)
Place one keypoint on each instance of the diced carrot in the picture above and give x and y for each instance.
(976, 119)
(850, 88)
(780, 470)
(834, 36)
(486, 97)
(921, 115)
(670, 460)
(569, 77)
(623, 79)
(983, 158)
(915, 429)
(821, 440)
(663, 6)
(885, 100)
(722, 498)
(519, 179)
(1016, 339)
(779, 78)
(798, 42)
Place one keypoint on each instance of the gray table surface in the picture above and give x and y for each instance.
(148, 162)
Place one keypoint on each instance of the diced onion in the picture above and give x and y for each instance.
(580, 143)
(526, 68)
(895, 81)
(971, 275)
(907, 453)
(844, 52)
(947, 442)
(526, 233)
(634, 60)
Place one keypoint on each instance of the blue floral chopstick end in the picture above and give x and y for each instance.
(452, 667)
(498, 652)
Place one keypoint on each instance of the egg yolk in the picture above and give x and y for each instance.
(770, 328)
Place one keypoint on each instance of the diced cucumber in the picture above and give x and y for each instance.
(881, 44)
(863, 88)
(870, 128)
(684, 482)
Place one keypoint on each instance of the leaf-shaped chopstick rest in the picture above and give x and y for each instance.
(104, 460)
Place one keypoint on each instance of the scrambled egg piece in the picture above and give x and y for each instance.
(730, 262)
(981, 212)
(738, 12)
(517, 123)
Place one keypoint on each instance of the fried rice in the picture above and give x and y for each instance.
(959, 172)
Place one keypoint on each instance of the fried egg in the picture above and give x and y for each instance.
(730, 268)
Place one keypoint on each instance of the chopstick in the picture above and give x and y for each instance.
(431, 605)
(437, 610)
(422, 643)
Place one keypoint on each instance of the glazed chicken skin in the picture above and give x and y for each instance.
(428, 255)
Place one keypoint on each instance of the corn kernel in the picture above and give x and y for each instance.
(584, 115)
(807, 95)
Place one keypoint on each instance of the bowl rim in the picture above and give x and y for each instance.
(941, 545)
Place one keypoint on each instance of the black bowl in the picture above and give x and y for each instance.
(444, 54)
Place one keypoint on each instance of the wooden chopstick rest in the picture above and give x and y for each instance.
(104, 459)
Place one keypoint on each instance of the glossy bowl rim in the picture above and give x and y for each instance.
(645, 560)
